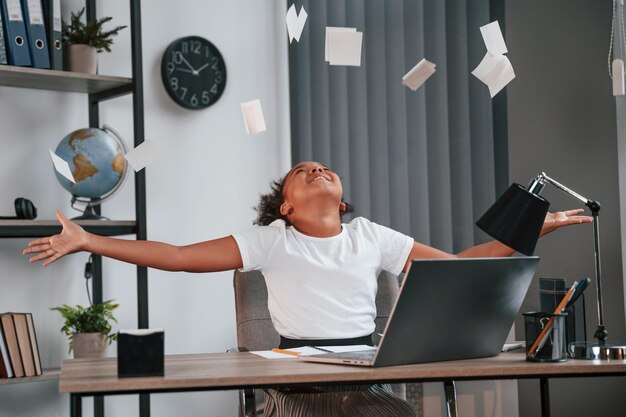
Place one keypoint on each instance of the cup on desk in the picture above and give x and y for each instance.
(545, 336)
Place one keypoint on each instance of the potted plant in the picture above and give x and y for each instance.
(84, 41)
(88, 329)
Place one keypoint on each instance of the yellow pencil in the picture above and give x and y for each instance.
(286, 352)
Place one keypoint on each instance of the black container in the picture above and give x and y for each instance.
(140, 353)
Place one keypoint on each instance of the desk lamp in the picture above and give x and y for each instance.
(516, 218)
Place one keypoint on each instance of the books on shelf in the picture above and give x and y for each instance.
(19, 352)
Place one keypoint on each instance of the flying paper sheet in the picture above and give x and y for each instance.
(495, 70)
(295, 22)
(418, 74)
(143, 155)
(492, 36)
(62, 166)
(343, 46)
(253, 116)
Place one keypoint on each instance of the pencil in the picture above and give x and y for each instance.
(538, 344)
(286, 352)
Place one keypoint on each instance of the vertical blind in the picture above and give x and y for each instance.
(426, 163)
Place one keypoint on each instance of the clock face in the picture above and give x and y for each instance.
(193, 72)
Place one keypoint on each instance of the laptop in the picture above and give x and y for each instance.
(448, 309)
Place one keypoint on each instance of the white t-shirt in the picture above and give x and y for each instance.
(323, 288)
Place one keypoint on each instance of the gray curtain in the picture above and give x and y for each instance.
(426, 163)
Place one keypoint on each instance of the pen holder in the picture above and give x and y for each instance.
(545, 335)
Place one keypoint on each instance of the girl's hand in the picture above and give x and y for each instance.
(563, 218)
(72, 238)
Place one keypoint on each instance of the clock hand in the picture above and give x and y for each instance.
(193, 71)
(185, 70)
(202, 67)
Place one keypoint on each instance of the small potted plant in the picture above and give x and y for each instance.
(88, 329)
(84, 41)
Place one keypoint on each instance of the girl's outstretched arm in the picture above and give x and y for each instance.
(494, 248)
(210, 256)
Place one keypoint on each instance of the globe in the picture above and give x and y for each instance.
(96, 160)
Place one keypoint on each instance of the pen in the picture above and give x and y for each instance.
(322, 349)
(543, 336)
(286, 352)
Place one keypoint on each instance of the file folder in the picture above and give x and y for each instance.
(52, 20)
(15, 33)
(36, 32)
(3, 50)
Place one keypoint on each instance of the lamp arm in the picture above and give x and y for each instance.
(535, 187)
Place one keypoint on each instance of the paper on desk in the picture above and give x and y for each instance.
(62, 166)
(311, 350)
(418, 74)
(295, 22)
(253, 116)
(348, 348)
(495, 70)
(343, 46)
(143, 155)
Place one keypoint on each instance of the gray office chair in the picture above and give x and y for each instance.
(256, 332)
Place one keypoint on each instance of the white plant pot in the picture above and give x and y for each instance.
(89, 345)
(80, 58)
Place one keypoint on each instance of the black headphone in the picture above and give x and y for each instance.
(24, 209)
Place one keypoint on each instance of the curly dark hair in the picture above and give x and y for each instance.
(268, 208)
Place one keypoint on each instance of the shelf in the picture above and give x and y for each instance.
(43, 79)
(39, 228)
(48, 375)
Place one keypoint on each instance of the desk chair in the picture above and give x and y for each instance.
(256, 332)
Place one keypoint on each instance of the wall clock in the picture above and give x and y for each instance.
(193, 72)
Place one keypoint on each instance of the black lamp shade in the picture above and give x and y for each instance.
(516, 218)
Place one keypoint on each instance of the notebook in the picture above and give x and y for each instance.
(448, 309)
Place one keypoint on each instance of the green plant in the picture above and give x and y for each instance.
(96, 318)
(90, 33)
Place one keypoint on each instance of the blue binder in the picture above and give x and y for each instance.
(3, 51)
(36, 32)
(15, 33)
(52, 13)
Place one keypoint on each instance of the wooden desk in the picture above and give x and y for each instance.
(222, 371)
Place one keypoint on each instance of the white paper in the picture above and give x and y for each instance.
(143, 155)
(331, 29)
(141, 332)
(495, 71)
(348, 348)
(295, 22)
(62, 166)
(494, 41)
(344, 47)
(418, 74)
(311, 350)
(253, 116)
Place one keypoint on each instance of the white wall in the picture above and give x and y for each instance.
(204, 186)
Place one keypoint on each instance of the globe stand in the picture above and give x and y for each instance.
(89, 213)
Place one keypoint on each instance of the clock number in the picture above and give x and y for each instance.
(184, 90)
(177, 57)
(196, 46)
(194, 101)
(174, 83)
(215, 63)
(170, 67)
(184, 47)
(206, 99)
(218, 77)
(214, 89)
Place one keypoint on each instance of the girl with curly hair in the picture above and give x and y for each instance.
(314, 266)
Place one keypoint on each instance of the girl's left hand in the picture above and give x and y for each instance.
(563, 218)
